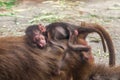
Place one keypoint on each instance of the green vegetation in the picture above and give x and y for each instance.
(7, 14)
(47, 17)
(7, 4)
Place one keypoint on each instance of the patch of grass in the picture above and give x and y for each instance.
(8, 4)
(47, 17)
(93, 15)
(12, 14)
(94, 39)
(7, 14)
(62, 1)
(90, 15)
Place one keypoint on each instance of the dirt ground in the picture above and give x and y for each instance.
(104, 12)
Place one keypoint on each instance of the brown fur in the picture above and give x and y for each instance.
(79, 64)
(76, 59)
(62, 30)
(102, 72)
(107, 39)
(20, 61)
(83, 31)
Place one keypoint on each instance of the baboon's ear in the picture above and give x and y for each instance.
(76, 32)
(41, 28)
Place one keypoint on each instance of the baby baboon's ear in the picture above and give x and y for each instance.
(41, 28)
